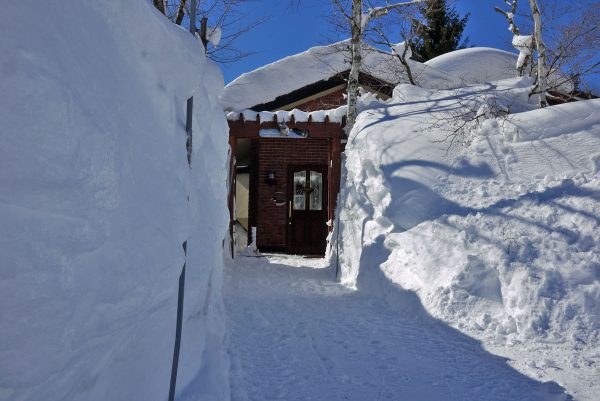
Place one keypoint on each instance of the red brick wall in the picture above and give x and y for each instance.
(330, 101)
(276, 155)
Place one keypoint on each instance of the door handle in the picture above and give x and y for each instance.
(290, 211)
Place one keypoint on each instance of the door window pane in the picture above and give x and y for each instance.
(316, 193)
(299, 194)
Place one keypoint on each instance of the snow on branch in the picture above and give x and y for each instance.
(213, 35)
(510, 16)
(523, 43)
(377, 12)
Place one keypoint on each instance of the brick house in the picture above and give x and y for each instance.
(286, 123)
(286, 131)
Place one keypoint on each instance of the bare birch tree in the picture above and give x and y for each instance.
(523, 43)
(570, 45)
(540, 46)
(359, 19)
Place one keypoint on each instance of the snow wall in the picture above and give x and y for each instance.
(497, 235)
(97, 198)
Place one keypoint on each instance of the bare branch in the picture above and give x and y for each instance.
(342, 10)
(510, 16)
(402, 58)
(381, 11)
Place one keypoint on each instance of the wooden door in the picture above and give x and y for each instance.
(307, 210)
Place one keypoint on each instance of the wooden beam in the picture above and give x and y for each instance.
(250, 129)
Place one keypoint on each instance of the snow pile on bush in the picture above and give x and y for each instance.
(97, 199)
(498, 234)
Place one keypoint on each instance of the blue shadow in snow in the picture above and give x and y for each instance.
(414, 203)
(502, 379)
(464, 169)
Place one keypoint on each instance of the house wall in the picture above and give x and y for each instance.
(326, 102)
(242, 185)
(276, 155)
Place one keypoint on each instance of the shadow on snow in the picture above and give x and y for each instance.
(296, 334)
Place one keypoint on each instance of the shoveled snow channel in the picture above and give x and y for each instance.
(296, 334)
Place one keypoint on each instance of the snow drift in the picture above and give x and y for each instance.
(491, 219)
(97, 199)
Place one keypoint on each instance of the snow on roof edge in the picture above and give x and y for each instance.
(320, 116)
(286, 58)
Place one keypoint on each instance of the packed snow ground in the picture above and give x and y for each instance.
(495, 229)
(296, 333)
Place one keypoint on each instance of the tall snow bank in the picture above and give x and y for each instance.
(498, 234)
(97, 199)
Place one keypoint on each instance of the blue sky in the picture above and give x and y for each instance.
(293, 30)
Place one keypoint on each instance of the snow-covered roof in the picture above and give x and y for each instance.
(299, 70)
(451, 70)
(456, 69)
(477, 65)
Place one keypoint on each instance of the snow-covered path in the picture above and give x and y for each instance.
(296, 334)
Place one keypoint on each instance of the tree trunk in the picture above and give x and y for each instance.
(356, 52)
(541, 50)
(524, 52)
(359, 22)
(160, 6)
(193, 17)
(180, 12)
(203, 32)
(405, 64)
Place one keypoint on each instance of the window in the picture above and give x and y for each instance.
(299, 194)
(316, 193)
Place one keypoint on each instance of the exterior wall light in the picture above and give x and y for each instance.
(271, 178)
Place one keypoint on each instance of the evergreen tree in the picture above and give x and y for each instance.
(441, 31)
